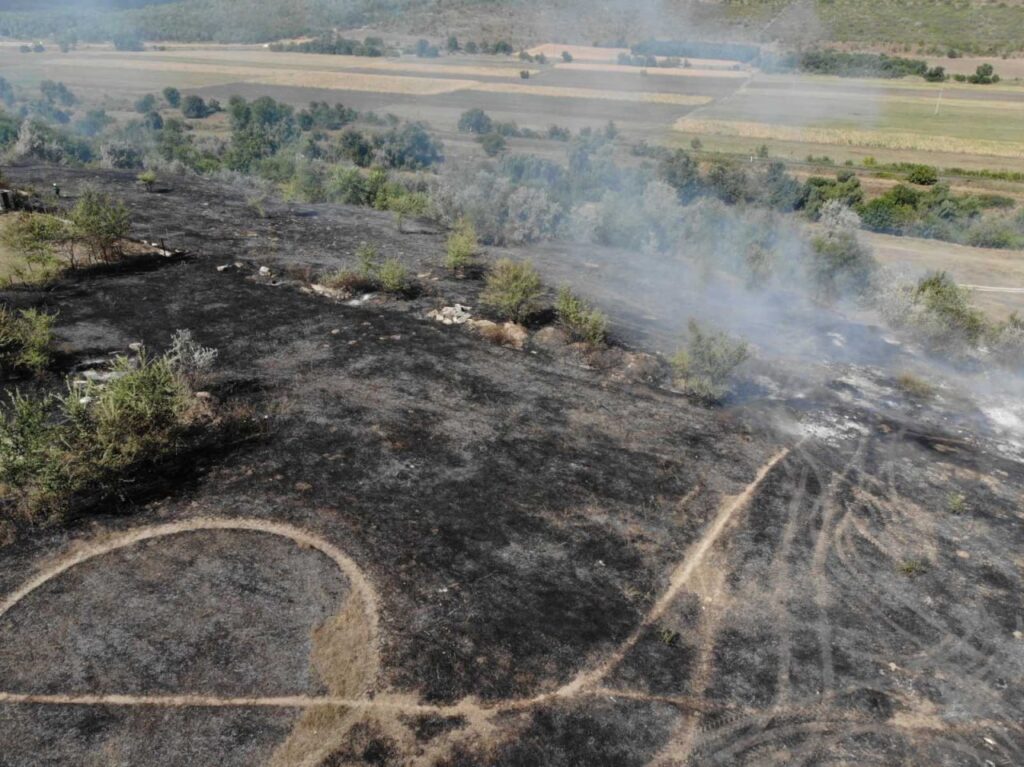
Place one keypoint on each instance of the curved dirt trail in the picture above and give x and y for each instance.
(681, 576)
(363, 597)
(586, 683)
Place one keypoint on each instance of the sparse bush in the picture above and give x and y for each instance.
(956, 503)
(475, 121)
(188, 357)
(913, 567)
(567, 57)
(915, 387)
(393, 276)
(100, 222)
(841, 265)
(84, 444)
(707, 365)
(513, 290)
(925, 175)
(462, 245)
(26, 339)
(35, 238)
(172, 96)
(493, 143)
(145, 104)
(147, 179)
(582, 321)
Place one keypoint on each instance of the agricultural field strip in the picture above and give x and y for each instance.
(310, 61)
(422, 86)
(945, 103)
(915, 84)
(905, 140)
(656, 71)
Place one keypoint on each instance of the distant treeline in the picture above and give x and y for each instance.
(829, 62)
(248, 21)
(697, 50)
(337, 45)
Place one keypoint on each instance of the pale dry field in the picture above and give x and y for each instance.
(918, 142)
(646, 97)
(656, 71)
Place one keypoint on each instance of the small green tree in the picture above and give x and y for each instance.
(707, 365)
(145, 104)
(513, 290)
(567, 57)
(172, 96)
(147, 178)
(100, 222)
(582, 321)
(462, 245)
(493, 143)
(475, 121)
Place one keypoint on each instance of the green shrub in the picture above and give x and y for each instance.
(34, 238)
(393, 277)
(707, 365)
(493, 143)
(85, 443)
(462, 245)
(100, 222)
(950, 307)
(924, 175)
(841, 265)
(26, 338)
(582, 321)
(513, 290)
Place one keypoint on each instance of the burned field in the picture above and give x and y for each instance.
(437, 551)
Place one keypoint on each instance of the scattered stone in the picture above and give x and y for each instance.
(303, 487)
(264, 271)
(506, 334)
(135, 346)
(451, 315)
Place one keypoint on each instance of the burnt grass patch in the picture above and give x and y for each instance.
(518, 517)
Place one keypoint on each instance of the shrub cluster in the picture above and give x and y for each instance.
(26, 339)
(582, 321)
(513, 290)
(59, 450)
(707, 366)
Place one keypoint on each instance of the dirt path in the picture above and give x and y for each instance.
(363, 598)
(681, 576)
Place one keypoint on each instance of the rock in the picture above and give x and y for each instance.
(96, 376)
(264, 271)
(223, 267)
(451, 315)
(303, 487)
(136, 346)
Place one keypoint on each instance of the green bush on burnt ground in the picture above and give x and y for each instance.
(513, 290)
(389, 276)
(462, 245)
(26, 339)
(86, 443)
(100, 223)
(582, 321)
(34, 240)
(707, 366)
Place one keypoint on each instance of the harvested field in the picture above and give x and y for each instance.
(726, 73)
(850, 137)
(644, 97)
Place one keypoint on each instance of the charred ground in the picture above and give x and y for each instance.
(571, 566)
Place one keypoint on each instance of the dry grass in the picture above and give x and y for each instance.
(657, 71)
(873, 97)
(851, 137)
(645, 97)
(308, 78)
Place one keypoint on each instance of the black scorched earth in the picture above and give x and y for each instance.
(426, 549)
